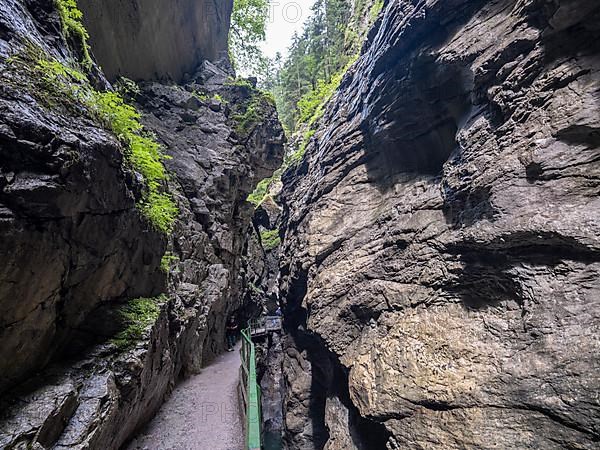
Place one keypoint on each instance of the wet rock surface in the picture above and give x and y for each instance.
(441, 234)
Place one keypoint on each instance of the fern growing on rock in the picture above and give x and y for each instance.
(137, 316)
(71, 18)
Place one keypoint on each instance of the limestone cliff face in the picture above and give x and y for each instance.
(215, 167)
(262, 294)
(156, 39)
(441, 257)
(75, 247)
(72, 238)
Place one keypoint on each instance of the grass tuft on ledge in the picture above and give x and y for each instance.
(138, 315)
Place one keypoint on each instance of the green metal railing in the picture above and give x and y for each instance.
(250, 392)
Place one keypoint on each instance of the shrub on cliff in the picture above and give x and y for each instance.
(270, 239)
(143, 152)
(257, 196)
(312, 103)
(251, 112)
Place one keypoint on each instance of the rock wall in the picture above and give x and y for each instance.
(261, 297)
(76, 247)
(215, 167)
(72, 237)
(156, 39)
(441, 256)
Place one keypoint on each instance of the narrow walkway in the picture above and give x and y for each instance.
(201, 414)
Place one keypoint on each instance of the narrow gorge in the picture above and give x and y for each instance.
(412, 191)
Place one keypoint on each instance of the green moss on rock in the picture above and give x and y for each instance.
(71, 18)
(258, 195)
(168, 261)
(250, 113)
(270, 239)
(253, 113)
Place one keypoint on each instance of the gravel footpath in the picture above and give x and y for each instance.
(201, 414)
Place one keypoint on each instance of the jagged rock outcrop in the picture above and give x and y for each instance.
(262, 256)
(76, 246)
(156, 39)
(441, 251)
(215, 166)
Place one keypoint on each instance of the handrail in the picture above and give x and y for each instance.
(252, 392)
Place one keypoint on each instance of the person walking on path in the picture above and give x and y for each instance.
(231, 333)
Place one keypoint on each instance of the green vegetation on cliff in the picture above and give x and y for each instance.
(71, 19)
(137, 316)
(251, 111)
(57, 85)
(260, 192)
(307, 79)
(168, 262)
(144, 154)
(270, 239)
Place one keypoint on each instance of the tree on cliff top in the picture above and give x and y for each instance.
(315, 60)
(248, 30)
